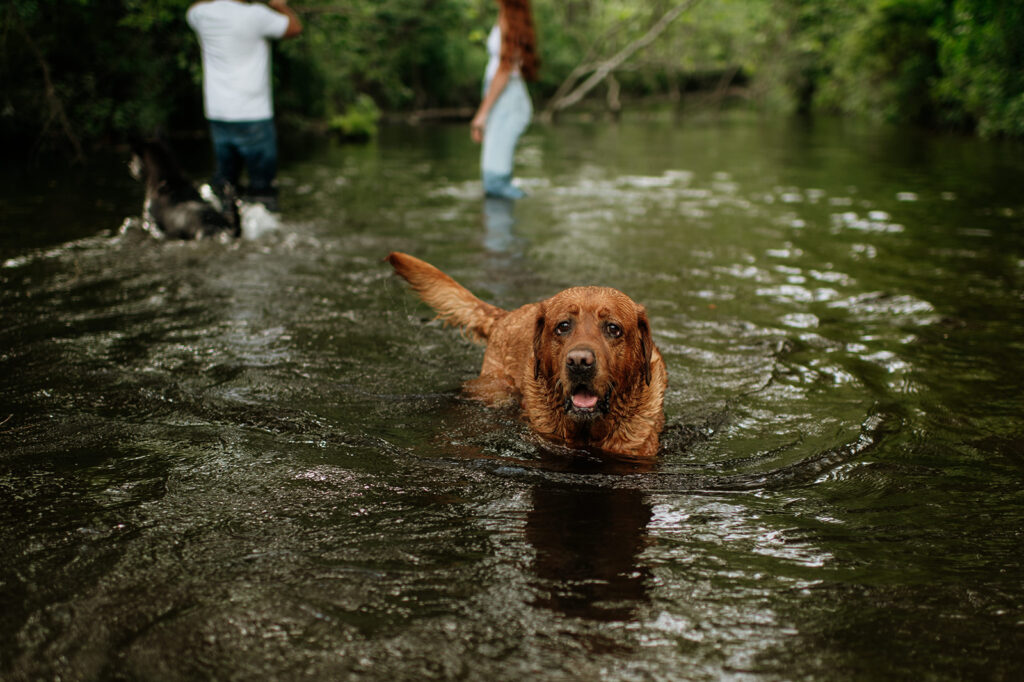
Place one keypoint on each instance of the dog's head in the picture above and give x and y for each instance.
(591, 345)
(137, 162)
(151, 162)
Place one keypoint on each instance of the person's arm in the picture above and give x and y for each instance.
(498, 83)
(294, 24)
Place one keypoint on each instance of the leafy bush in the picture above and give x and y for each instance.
(359, 122)
(885, 64)
(981, 53)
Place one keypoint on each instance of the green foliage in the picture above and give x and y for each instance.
(955, 62)
(359, 122)
(798, 57)
(90, 70)
(884, 65)
(981, 54)
(90, 63)
(115, 67)
(403, 54)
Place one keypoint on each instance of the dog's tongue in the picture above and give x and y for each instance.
(584, 399)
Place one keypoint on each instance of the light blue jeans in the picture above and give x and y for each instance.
(506, 122)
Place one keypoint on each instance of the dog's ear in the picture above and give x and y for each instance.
(538, 336)
(646, 342)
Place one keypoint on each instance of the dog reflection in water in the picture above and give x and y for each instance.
(587, 544)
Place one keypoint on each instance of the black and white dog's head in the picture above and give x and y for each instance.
(172, 203)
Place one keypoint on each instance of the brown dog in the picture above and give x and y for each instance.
(582, 363)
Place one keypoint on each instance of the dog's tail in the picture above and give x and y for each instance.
(453, 302)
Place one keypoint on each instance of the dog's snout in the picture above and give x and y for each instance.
(580, 360)
(580, 357)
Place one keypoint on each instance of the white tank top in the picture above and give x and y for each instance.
(494, 56)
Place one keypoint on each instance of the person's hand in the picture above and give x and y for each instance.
(476, 127)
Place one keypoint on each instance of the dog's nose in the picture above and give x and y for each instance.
(580, 360)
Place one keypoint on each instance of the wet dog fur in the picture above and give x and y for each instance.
(172, 203)
(582, 364)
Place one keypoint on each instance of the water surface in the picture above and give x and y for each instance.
(252, 460)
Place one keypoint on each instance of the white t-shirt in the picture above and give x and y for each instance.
(233, 38)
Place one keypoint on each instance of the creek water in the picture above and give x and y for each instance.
(252, 460)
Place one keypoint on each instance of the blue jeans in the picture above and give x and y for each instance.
(506, 122)
(252, 143)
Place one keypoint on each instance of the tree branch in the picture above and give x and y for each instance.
(558, 103)
(586, 66)
(53, 99)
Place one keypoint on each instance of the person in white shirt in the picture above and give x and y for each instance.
(506, 109)
(237, 95)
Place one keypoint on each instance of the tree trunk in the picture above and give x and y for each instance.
(614, 103)
(52, 98)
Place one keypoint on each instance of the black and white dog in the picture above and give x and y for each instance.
(172, 203)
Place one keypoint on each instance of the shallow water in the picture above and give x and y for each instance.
(252, 460)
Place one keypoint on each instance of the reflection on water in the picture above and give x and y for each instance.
(252, 459)
(587, 545)
(499, 223)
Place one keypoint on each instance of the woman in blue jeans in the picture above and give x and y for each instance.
(505, 110)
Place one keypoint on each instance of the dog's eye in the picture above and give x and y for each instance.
(563, 328)
(613, 330)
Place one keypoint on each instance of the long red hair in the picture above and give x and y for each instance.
(518, 41)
